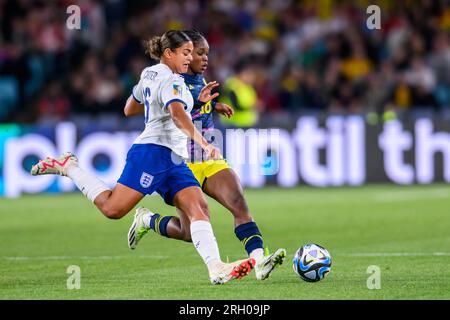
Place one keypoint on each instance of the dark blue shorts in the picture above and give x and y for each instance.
(151, 167)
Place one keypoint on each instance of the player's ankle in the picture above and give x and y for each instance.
(257, 254)
(71, 169)
(213, 265)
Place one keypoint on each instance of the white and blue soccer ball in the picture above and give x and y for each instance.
(312, 262)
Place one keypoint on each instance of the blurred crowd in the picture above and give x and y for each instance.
(307, 56)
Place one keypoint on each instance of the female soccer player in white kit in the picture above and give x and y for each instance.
(155, 162)
(216, 177)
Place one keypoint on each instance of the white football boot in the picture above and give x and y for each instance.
(266, 264)
(138, 229)
(224, 272)
(57, 166)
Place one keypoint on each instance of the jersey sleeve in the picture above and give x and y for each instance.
(137, 93)
(174, 89)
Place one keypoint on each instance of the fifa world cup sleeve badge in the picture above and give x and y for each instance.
(177, 90)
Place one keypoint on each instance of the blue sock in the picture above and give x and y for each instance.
(248, 233)
(159, 223)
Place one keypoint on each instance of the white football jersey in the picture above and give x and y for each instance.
(157, 88)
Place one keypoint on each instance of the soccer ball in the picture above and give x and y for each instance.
(312, 262)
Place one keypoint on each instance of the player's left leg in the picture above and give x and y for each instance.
(225, 188)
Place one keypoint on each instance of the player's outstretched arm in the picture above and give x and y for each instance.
(184, 123)
(205, 94)
(133, 108)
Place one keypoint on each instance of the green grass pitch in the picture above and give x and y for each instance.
(405, 231)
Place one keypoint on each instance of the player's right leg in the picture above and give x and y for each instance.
(114, 204)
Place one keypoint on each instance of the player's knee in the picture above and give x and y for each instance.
(204, 208)
(113, 213)
(199, 210)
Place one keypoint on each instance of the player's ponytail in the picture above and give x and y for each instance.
(154, 47)
(172, 40)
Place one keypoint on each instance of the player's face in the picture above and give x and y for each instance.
(183, 57)
(200, 57)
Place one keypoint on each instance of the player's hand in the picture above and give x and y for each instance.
(212, 152)
(205, 94)
(224, 109)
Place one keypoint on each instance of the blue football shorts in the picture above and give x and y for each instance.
(151, 167)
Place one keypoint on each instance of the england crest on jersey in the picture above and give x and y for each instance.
(146, 180)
